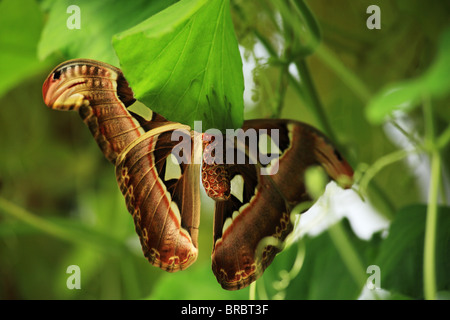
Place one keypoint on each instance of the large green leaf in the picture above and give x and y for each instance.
(401, 254)
(184, 63)
(100, 20)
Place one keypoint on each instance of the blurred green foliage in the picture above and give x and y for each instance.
(60, 205)
(408, 94)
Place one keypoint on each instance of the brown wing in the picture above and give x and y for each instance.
(260, 205)
(163, 197)
(165, 206)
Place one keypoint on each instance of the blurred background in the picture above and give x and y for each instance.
(59, 201)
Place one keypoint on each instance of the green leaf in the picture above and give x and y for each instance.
(405, 95)
(20, 24)
(184, 63)
(100, 20)
(401, 254)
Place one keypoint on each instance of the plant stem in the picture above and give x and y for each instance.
(444, 138)
(314, 100)
(429, 255)
(302, 10)
(91, 238)
(429, 259)
(348, 254)
(378, 165)
(19, 213)
(281, 92)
